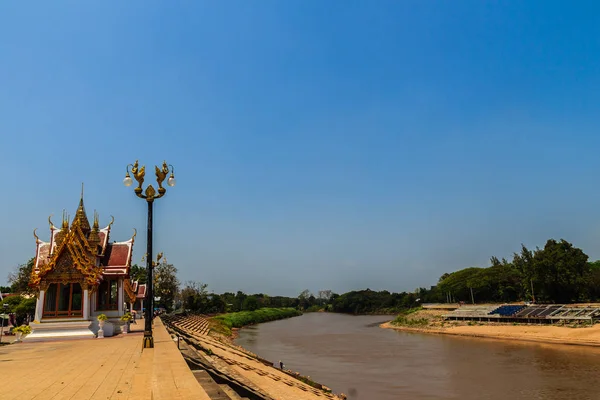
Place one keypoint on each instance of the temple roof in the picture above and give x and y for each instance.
(82, 250)
(81, 218)
(117, 258)
(141, 292)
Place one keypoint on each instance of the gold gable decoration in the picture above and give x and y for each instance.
(73, 261)
(129, 291)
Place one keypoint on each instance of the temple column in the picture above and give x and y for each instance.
(86, 304)
(120, 295)
(39, 306)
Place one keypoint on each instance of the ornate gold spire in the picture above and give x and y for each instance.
(65, 220)
(93, 238)
(81, 218)
(62, 232)
(96, 223)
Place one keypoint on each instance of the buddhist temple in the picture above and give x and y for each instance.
(79, 274)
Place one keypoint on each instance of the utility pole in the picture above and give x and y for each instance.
(472, 297)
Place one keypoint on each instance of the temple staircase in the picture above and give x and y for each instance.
(60, 330)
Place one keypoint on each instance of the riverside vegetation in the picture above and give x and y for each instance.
(225, 322)
(557, 273)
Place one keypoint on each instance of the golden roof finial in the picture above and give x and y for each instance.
(50, 221)
(112, 220)
(65, 220)
(80, 216)
(96, 223)
(37, 239)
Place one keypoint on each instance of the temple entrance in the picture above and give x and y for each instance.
(63, 300)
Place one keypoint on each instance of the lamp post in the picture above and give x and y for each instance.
(5, 308)
(150, 194)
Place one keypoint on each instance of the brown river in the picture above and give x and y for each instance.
(353, 355)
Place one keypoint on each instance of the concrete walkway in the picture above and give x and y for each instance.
(109, 368)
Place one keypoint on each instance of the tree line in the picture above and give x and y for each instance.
(556, 273)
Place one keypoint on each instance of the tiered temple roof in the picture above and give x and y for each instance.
(80, 252)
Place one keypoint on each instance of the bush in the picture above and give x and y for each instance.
(24, 329)
(314, 308)
(243, 318)
(126, 317)
(410, 321)
(102, 317)
(20, 306)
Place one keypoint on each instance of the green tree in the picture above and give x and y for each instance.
(559, 272)
(217, 304)
(304, 298)
(194, 297)
(138, 273)
(523, 264)
(593, 281)
(239, 300)
(19, 305)
(166, 285)
(19, 278)
(250, 303)
(457, 283)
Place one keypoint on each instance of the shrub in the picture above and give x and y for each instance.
(243, 318)
(400, 320)
(24, 329)
(314, 308)
(126, 317)
(102, 317)
(20, 306)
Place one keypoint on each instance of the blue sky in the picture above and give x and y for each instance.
(317, 144)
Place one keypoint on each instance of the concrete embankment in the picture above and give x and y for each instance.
(235, 369)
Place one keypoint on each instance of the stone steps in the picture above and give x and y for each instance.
(214, 390)
(231, 393)
(60, 330)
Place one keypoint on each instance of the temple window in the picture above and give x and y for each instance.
(108, 295)
(63, 300)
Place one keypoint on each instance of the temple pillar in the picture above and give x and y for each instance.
(86, 304)
(39, 307)
(120, 295)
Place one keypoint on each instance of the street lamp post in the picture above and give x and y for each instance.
(150, 194)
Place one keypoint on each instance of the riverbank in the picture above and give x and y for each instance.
(245, 372)
(227, 323)
(431, 321)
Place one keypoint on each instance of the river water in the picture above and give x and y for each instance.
(351, 354)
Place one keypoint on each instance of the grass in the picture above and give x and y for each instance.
(225, 322)
(410, 321)
(405, 318)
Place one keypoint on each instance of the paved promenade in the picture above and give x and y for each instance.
(109, 368)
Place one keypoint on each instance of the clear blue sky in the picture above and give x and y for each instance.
(317, 144)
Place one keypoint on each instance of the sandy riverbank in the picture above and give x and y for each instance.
(583, 336)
